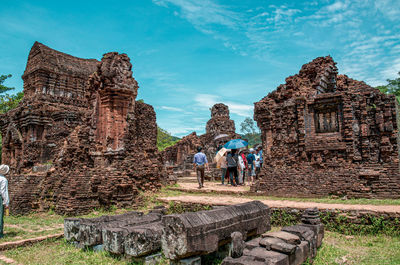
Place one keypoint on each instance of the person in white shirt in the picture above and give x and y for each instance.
(258, 163)
(4, 199)
(242, 165)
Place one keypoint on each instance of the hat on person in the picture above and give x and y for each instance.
(4, 169)
(251, 150)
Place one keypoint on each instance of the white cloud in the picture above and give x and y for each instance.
(202, 13)
(337, 6)
(391, 71)
(389, 8)
(353, 31)
(170, 108)
(207, 101)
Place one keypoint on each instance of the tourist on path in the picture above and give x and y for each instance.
(232, 160)
(199, 163)
(243, 167)
(251, 166)
(260, 151)
(4, 199)
(223, 166)
(257, 163)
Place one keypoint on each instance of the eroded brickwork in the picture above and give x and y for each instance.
(220, 123)
(54, 87)
(107, 155)
(177, 154)
(327, 134)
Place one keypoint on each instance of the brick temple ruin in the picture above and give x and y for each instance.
(220, 124)
(327, 134)
(79, 139)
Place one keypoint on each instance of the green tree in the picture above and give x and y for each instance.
(248, 126)
(393, 87)
(7, 102)
(250, 131)
(4, 88)
(165, 139)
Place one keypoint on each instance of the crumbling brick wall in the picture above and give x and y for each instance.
(176, 154)
(103, 158)
(327, 134)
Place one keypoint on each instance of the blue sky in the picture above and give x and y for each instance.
(188, 55)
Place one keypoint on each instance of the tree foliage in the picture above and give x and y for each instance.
(393, 87)
(165, 139)
(4, 88)
(250, 131)
(8, 102)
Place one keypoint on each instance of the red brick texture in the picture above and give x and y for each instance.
(327, 134)
(95, 152)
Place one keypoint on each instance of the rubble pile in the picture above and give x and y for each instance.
(293, 245)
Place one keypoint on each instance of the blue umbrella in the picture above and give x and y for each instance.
(235, 144)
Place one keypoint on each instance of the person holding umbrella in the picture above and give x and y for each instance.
(224, 168)
(220, 159)
(233, 159)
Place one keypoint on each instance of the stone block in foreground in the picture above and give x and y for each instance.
(89, 229)
(202, 232)
(294, 245)
(135, 240)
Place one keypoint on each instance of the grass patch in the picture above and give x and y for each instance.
(59, 252)
(368, 249)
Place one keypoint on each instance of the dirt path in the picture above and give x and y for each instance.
(24, 242)
(7, 260)
(211, 187)
(227, 200)
(46, 228)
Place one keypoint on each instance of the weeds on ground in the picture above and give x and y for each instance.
(367, 249)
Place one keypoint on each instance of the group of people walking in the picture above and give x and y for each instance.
(241, 166)
(237, 166)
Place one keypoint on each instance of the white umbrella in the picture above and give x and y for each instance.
(220, 154)
(220, 136)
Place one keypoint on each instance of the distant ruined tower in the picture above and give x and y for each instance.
(220, 122)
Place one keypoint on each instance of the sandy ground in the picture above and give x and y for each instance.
(212, 186)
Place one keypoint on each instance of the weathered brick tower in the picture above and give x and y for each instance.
(326, 134)
(54, 98)
(79, 140)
